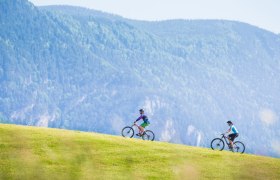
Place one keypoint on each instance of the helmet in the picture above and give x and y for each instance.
(141, 110)
(229, 122)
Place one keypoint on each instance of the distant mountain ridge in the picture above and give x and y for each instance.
(76, 68)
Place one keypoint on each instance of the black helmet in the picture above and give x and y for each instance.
(141, 110)
(229, 122)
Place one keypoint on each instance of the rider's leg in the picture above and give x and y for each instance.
(230, 141)
(141, 129)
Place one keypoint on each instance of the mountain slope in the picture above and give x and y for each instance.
(29, 153)
(76, 68)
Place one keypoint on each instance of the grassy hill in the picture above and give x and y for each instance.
(42, 153)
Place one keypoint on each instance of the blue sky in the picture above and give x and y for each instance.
(261, 13)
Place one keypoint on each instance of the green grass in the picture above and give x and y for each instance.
(43, 153)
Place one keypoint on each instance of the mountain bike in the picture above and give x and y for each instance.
(128, 131)
(219, 144)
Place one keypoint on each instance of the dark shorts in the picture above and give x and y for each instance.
(232, 136)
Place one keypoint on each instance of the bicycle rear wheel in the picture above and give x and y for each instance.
(148, 135)
(217, 144)
(127, 132)
(238, 147)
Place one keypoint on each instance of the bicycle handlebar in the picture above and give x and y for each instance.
(223, 135)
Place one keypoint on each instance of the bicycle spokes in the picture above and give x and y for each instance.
(238, 147)
(127, 132)
(217, 144)
(148, 135)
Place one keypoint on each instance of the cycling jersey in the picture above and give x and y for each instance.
(233, 130)
(144, 118)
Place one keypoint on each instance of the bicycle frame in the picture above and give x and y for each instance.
(135, 125)
(226, 139)
(138, 129)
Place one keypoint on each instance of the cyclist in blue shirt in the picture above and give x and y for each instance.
(144, 124)
(233, 133)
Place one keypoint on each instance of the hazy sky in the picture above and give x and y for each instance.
(262, 13)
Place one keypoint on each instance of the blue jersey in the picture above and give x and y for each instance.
(233, 129)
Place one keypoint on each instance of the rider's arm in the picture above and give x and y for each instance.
(137, 119)
(228, 130)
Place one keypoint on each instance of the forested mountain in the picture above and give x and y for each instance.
(76, 68)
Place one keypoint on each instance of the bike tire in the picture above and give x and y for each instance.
(148, 135)
(217, 144)
(238, 147)
(128, 132)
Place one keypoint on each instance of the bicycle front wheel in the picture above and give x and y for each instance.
(217, 144)
(238, 147)
(127, 132)
(148, 135)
